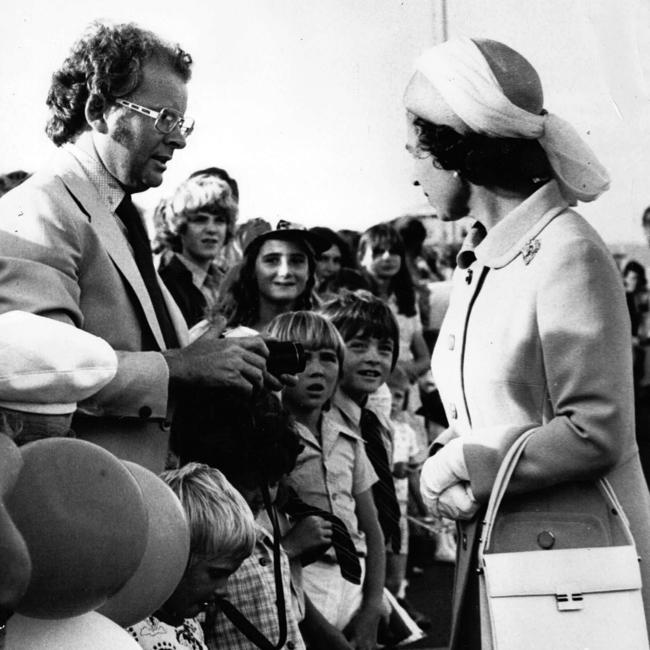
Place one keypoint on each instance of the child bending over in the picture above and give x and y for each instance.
(254, 442)
(222, 535)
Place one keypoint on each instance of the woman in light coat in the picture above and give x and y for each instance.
(537, 334)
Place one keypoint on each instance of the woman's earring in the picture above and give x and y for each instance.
(455, 174)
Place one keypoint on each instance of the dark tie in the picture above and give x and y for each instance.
(139, 240)
(383, 491)
(346, 554)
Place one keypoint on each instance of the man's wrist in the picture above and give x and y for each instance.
(174, 360)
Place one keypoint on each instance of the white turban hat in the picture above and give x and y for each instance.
(488, 88)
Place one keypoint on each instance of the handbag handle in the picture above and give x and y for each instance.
(502, 480)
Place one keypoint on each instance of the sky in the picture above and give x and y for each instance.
(302, 100)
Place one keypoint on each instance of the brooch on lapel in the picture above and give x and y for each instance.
(530, 250)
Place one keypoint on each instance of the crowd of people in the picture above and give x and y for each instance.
(278, 379)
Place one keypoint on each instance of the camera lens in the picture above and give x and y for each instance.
(285, 357)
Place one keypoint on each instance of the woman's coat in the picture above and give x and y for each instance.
(537, 336)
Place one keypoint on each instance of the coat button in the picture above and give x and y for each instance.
(291, 645)
(451, 342)
(464, 539)
(145, 412)
(546, 539)
(453, 412)
(264, 561)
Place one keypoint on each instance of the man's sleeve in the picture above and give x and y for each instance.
(42, 254)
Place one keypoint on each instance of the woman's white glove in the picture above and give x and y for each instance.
(456, 502)
(444, 469)
(444, 483)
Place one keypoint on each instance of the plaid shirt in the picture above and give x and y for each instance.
(252, 590)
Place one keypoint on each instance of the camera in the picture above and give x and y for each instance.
(285, 357)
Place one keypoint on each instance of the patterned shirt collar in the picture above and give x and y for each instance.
(109, 190)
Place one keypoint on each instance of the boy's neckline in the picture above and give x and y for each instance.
(360, 402)
(312, 422)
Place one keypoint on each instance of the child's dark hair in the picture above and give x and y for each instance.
(360, 314)
(240, 302)
(634, 267)
(252, 440)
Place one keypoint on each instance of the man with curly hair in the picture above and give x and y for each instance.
(74, 248)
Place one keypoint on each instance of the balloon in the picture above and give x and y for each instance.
(165, 557)
(89, 630)
(83, 518)
(15, 564)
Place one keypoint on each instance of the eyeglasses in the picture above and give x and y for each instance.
(166, 119)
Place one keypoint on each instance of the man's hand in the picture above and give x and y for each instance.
(308, 534)
(221, 362)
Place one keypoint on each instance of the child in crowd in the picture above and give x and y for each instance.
(405, 461)
(371, 336)
(334, 473)
(222, 535)
(407, 458)
(254, 442)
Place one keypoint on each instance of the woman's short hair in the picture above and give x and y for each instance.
(221, 523)
(104, 64)
(401, 285)
(509, 163)
(222, 174)
(360, 314)
(202, 193)
(240, 303)
(311, 330)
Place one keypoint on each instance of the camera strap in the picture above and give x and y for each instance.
(239, 620)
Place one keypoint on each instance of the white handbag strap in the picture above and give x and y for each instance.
(502, 481)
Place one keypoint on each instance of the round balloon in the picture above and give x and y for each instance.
(165, 556)
(83, 518)
(15, 564)
(91, 630)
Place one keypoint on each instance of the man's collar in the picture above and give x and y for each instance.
(507, 239)
(107, 186)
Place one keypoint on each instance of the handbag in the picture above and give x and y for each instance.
(560, 598)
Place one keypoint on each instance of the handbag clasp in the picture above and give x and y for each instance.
(568, 598)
